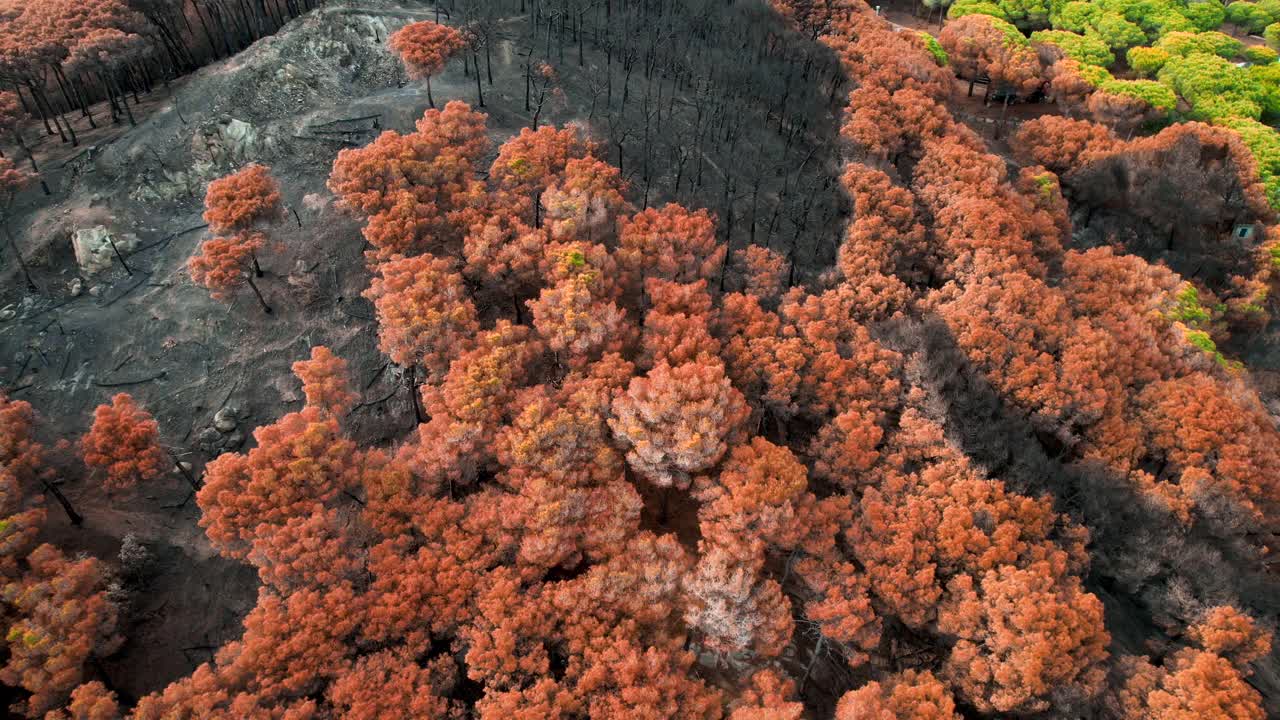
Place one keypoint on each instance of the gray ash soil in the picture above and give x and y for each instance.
(185, 356)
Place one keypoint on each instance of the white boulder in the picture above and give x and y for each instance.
(93, 251)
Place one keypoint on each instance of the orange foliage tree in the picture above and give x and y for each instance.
(1023, 336)
(1190, 684)
(1068, 85)
(985, 45)
(390, 682)
(1225, 631)
(426, 585)
(325, 381)
(915, 532)
(90, 701)
(737, 613)
(671, 244)
(312, 550)
(759, 508)
(884, 247)
(612, 626)
(528, 165)
(1213, 442)
(764, 271)
(585, 202)
(299, 462)
(235, 205)
(842, 364)
(1061, 143)
(769, 697)
(418, 189)
(505, 255)
(569, 477)
(471, 402)
(1025, 639)
(23, 517)
(22, 461)
(225, 263)
(1124, 111)
(678, 421)
(885, 124)
(677, 327)
(425, 47)
(757, 501)
(762, 364)
(949, 550)
(847, 447)
(63, 619)
(1218, 185)
(575, 323)
(293, 645)
(239, 201)
(909, 695)
(124, 444)
(985, 226)
(424, 315)
(20, 452)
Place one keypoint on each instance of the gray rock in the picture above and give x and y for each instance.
(209, 439)
(93, 251)
(225, 420)
(75, 287)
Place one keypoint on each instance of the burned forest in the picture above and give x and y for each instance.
(639, 359)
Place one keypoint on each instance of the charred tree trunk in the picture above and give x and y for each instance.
(411, 379)
(45, 116)
(111, 97)
(77, 88)
(258, 294)
(31, 158)
(208, 34)
(124, 102)
(26, 107)
(13, 245)
(75, 517)
(119, 257)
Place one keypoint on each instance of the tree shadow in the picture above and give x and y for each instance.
(1152, 572)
